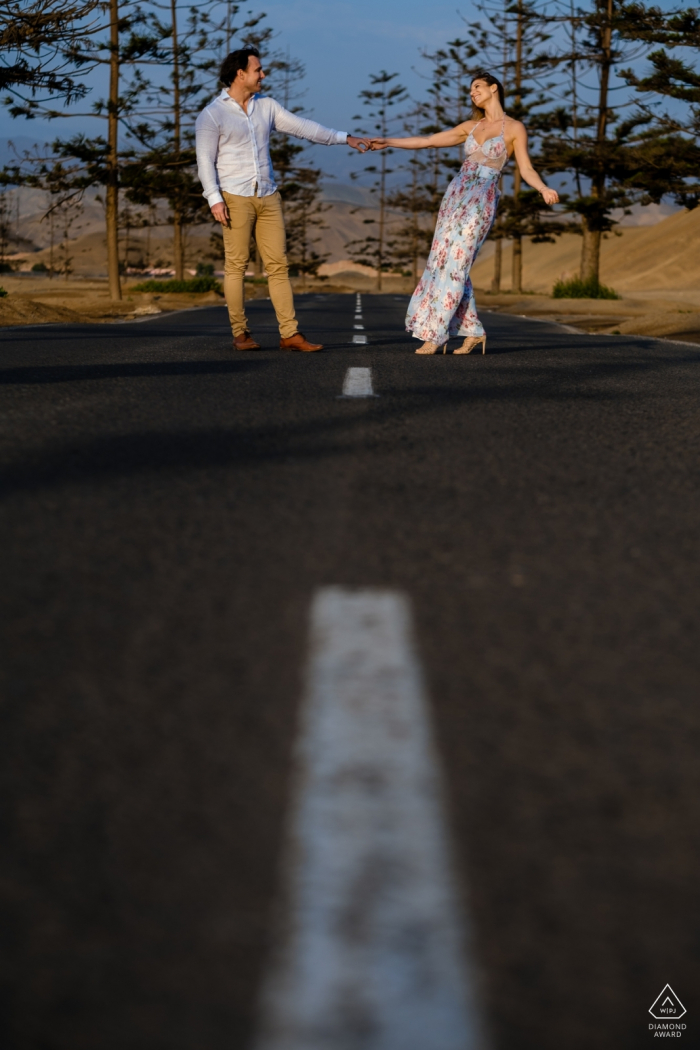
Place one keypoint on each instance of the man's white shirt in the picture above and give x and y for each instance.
(233, 147)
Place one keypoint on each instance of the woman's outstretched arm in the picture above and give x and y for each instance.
(526, 169)
(452, 137)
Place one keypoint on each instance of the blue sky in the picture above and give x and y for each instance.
(341, 42)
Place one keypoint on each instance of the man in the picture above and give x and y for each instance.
(233, 160)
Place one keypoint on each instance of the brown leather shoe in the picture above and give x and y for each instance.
(245, 342)
(297, 342)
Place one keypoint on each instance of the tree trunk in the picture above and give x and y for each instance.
(516, 283)
(380, 245)
(517, 269)
(51, 235)
(415, 251)
(112, 189)
(178, 252)
(590, 253)
(497, 264)
(590, 249)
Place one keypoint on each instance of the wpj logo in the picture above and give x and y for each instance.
(667, 1009)
(667, 1005)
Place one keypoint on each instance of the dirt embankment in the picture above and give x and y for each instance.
(82, 301)
(661, 317)
(88, 302)
(659, 314)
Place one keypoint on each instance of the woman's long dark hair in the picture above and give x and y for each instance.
(477, 113)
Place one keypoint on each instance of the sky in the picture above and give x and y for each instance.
(341, 43)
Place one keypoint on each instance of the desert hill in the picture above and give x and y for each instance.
(637, 259)
(655, 255)
(348, 209)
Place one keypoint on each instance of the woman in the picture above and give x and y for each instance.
(443, 303)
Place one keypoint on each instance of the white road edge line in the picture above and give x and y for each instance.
(373, 951)
(358, 383)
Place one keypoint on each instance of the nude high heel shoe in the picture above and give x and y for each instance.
(430, 348)
(470, 342)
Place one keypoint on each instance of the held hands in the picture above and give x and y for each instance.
(550, 196)
(377, 144)
(361, 145)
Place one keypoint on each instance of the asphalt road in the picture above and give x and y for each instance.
(171, 507)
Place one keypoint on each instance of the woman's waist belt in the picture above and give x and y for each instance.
(482, 170)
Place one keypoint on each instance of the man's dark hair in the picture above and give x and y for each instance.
(235, 61)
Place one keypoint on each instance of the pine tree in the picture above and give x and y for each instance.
(34, 38)
(449, 101)
(414, 201)
(63, 185)
(164, 164)
(304, 216)
(130, 42)
(447, 104)
(512, 41)
(81, 51)
(380, 99)
(4, 232)
(616, 157)
(299, 184)
(673, 79)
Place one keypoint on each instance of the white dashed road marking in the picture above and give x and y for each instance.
(359, 340)
(372, 955)
(358, 383)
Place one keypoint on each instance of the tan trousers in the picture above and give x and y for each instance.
(262, 215)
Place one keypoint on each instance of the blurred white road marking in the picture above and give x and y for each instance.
(371, 957)
(360, 340)
(358, 383)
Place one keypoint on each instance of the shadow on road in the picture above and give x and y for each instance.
(131, 370)
(196, 448)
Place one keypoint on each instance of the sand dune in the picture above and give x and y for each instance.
(88, 251)
(638, 259)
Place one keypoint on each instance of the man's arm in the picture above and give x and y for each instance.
(293, 124)
(207, 139)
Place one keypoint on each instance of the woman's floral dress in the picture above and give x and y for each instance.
(443, 303)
